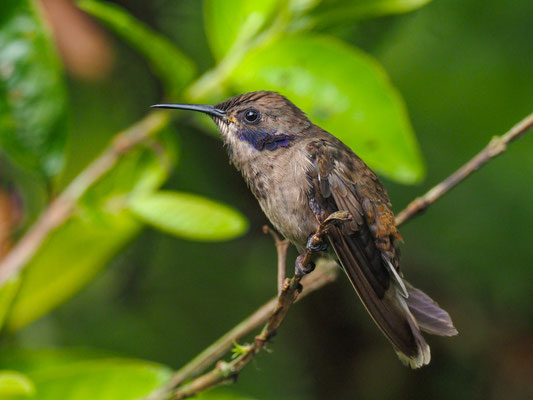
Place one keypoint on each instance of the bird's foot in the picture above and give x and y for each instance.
(300, 268)
(316, 244)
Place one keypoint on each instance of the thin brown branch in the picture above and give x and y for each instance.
(62, 207)
(282, 245)
(496, 146)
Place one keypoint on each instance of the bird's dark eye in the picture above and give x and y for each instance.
(252, 116)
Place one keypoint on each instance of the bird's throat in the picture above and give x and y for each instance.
(261, 139)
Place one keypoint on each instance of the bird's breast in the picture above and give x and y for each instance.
(279, 182)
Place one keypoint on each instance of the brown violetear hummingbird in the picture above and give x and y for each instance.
(300, 174)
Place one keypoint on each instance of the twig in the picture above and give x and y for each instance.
(226, 372)
(496, 146)
(61, 208)
(282, 245)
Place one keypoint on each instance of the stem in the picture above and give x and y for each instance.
(282, 245)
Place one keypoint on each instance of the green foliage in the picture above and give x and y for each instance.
(173, 67)
(351, 97)
(270, 44)
(188, 216)
(32, 91)
(63, 374)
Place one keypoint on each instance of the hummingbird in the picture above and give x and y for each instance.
(300, 174)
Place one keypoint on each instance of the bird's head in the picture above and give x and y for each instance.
(258, 121)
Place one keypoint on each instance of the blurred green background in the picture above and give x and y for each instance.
(465, 72)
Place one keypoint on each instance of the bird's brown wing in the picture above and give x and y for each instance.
(365, 245)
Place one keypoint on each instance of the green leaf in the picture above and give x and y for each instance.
(60, 375)
(344, 91)
(32, 92)
(15, 385)
(240, 349)
(231, 23)
(333, 12)
(188, 216)
(75, 252)
(172, 66)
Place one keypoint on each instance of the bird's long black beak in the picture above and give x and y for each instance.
(206, 109)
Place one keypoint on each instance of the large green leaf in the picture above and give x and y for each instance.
(61, 375)
(231, 23)
(188, 216)
(32, 92)
(173, 67)
(333, 12)
(343, 90)
(75, 252)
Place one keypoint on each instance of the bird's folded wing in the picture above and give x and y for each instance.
(340, 181)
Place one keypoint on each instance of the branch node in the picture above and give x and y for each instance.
(286, 285)
(225, 369)
(496, 146)
(268, 230)
(260, 340)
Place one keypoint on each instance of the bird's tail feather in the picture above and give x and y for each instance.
(423, 355)
(429, 316)
(424, 314)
